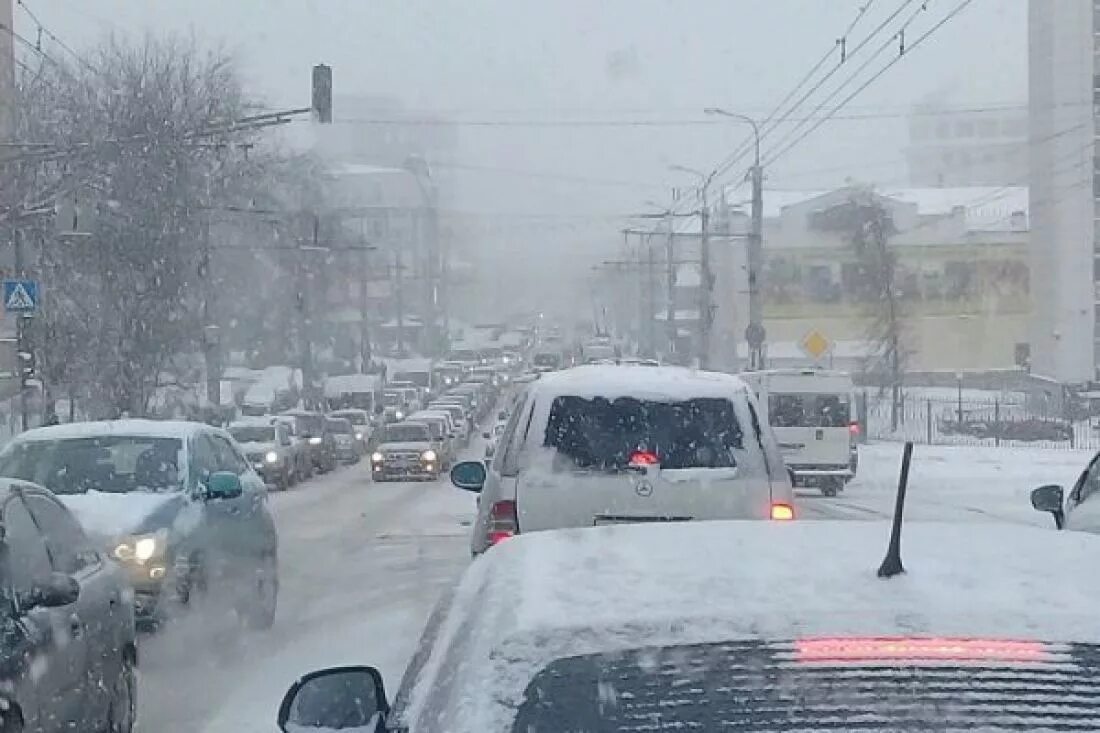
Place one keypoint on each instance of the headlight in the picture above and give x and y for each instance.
(428, 456)
(315, 441)
(271, 456)
(358, 436)
(139, 548)
(448, 381)
(399, 415)
(377, 457)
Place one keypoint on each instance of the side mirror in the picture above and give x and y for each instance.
(223, 485)
(339, 698)
(59, 590)
(469, 476)
(1050, 498)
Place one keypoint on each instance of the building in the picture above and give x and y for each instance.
(956, 146)
(1064, 85)
(962, 262)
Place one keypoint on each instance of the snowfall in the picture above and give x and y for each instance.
(363, 564)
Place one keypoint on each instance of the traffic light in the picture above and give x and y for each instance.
(322, 93)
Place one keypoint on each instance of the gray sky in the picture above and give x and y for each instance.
(549, 61)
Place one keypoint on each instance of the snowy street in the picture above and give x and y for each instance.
(363, 564)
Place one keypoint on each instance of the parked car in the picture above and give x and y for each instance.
(405, 451)
(299, 447)
(348, 448)
(360, 421)
(69, 644)
(175, 503)
(267, 445)
(616, 444)
(627, 628)
(319, 441)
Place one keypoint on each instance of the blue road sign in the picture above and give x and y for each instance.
(20, 296)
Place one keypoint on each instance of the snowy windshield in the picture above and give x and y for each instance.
(112, 464)
(253, 434)
(405, 434)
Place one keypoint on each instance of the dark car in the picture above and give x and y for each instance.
(176, 504)
(321, 444)
(68, 651)
(348, 449)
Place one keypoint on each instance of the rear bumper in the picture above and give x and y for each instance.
(816, 475)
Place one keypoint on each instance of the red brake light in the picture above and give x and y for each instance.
(782, 512)
(926, 650)
(644, 458)
(503, 521)
(853, 429)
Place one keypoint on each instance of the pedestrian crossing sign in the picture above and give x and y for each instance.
(20, 296)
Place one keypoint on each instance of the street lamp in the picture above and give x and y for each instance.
(744, 118)
(705, 278)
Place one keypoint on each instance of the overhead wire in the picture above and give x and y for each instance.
(53, 36)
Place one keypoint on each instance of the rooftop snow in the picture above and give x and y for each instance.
(648, 382)
(145, 428)
(547, 595)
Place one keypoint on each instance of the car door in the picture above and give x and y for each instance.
(98, 610)
(1083, 502)
(58, 654)
(246, 517)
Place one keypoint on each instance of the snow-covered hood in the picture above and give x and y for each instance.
(107, 516)
(257, 447)
(397, 447)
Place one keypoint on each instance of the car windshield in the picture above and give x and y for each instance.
(405, 434)
(342, 427)
(603, 434)
(392, 399)
(420, 379)
(253, 434)
(546, 360)
(772, 687)
(111, 463)
(310, 424)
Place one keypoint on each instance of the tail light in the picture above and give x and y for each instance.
(782, 512)
(853, 429)
(503, 522)
(644, 458)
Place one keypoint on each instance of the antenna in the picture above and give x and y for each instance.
(891, 564)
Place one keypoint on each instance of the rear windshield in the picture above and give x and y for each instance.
(753, 686)
(808, 410)
(420, 379)
(601, 434)
(253, 434)
(339, 426)
(546, 360)
(111, 463)
(405, 434)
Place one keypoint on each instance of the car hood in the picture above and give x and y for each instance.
(106, 516)
(257, 447)
(419, 445)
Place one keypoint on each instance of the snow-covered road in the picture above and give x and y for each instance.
(363, 564)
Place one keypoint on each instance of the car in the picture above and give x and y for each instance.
(348, 449)
(596, 445)
(69, 642)
(405, 451)
(492, 437)
(176, 504)
(1079, 509)
(443, 430)
(394, 407)
(320, 443)
(458, 419)
(360, 421)
(810, 411)
(267, 444)
(299, 447)
(739, 625)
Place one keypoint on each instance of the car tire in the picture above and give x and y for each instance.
(122, 712)
(831, 488)
(264, 601)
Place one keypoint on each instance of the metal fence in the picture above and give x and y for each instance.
(993, 421)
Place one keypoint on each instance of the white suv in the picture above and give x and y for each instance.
(603, 444)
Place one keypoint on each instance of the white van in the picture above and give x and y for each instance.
(812, 414)
(601, 444)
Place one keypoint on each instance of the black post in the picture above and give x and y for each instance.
(996, 422)
(891, 564)
(928, 413)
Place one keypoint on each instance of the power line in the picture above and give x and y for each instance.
(52, 36)
(958, 8)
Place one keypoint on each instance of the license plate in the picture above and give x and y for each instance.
(603, 521)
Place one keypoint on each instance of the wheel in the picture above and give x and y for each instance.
(831, 487)
(123, 707)
(191, 584)
(292, 476)
(260, 611)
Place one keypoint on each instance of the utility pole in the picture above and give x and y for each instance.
(705, 281)
(670, 315)
(651, 290)
(22, 348)
(211, 341)
(364, 309)
(398, 269)
(305, 342)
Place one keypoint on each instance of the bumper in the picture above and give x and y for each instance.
(386, 472)
(816, 475)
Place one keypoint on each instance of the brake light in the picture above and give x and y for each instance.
(853, 429)
(644, 458)
(782, 512)
(503, 521)
(925, 650)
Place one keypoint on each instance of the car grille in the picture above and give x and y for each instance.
(753, 686)
(403, 457)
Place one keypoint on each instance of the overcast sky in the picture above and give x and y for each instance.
(544, 61)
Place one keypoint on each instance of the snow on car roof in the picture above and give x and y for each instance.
(146, 428)
(265, 421)
(658, 383)
(346, 383)
(547, 595)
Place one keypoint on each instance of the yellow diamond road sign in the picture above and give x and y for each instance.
(816, 344)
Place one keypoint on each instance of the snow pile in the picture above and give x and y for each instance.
(549, 595)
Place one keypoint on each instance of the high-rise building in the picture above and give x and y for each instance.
(1064, 81)
(953, 147)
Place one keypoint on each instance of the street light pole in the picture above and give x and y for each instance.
(706, 278)
(755, 335)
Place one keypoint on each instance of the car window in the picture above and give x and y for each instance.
(28, 556)
(1090, 485)
(808, 410)
(204, 456)
(506, 461)
(68, 546)
(115, 464)
(227, 457)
